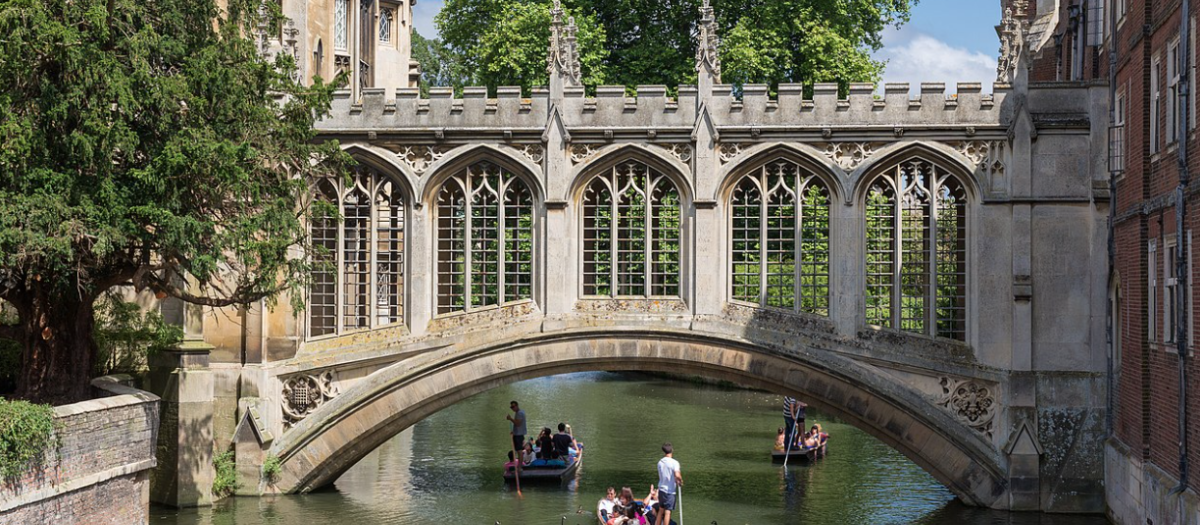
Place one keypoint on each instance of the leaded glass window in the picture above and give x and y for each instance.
(385, 25)
(485, 239)
(916, 250)
(632, 227)
(358, 261)
(341, 24)
(780, 236)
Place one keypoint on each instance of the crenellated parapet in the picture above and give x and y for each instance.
(899, 108)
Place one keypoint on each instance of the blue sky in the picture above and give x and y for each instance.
(945, 41)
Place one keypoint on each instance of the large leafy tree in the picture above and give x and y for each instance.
(505, 43)
(142, 143)
(653, 41)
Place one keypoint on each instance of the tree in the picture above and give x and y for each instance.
(438, 67)
(505, 43)
(144, 144)
(653, 41)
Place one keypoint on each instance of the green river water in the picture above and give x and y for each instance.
(447, 468)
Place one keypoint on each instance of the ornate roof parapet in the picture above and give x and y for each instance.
(708, 44)
(562, 62)
(900, 109)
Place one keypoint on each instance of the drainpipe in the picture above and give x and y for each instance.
(1112, 217)
(1181, 260)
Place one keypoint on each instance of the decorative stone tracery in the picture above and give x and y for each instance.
(419, 158)
(972, 402)
(683, 152)
(849, 155)
(304, 394)
(582, 152)
(728, 151)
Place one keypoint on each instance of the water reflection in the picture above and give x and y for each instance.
(446, 469)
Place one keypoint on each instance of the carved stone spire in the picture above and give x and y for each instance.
(1012, 31)
(708, 43)
(563, 60)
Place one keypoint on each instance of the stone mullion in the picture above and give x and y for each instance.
(468, 240)
(932, 239)
(763, 216)
(648, 244)
(614, 231)
(501, 239)
(898, 250)
(372, 251)
(798, 250)
(340, 263)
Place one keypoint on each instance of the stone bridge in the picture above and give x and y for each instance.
(927, 267)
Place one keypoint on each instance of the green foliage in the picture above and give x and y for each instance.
(225, 481)
(438, 67)
(26, 434)
(653, 41)
(126, 335)
(271, 468)
(505, 43)
(144, 141)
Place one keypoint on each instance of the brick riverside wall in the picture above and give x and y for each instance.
(100, 473)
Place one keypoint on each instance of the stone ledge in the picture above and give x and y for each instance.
(72, 485)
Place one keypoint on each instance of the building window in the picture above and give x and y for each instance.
(485, 239)
(1152, 295)
(358, 263)
(341, 25)
(385, 25)
(1155, 100)
(1172, 102)
(780, 234)
(1170, 293)
(916, 234)
(1116, 145)
(631, 233)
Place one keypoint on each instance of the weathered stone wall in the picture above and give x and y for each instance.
(100, 472)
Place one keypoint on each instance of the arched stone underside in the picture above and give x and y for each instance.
(348, 427)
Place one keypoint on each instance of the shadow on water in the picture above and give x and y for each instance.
(446, 469)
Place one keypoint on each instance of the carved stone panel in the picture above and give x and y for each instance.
(303, 394)
(972, 402)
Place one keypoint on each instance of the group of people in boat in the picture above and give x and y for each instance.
(549, 448)
(793, 421)
(655, 508)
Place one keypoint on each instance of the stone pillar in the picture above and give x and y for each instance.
(182, 379)
(708, 227)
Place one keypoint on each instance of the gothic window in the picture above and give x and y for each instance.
(358, 262)
(631, 233)
(385, 25)
(485, 239)
(780, 234)
(916, 250)
(341, 25)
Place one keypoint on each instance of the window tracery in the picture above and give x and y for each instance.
(780, 235)
(485, 239)
(632, 227)
(916, 250)
(357, 280)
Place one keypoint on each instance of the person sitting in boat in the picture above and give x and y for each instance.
(819, 434)
(564, 444)
(779, 439)
(604, 508)
(527, 454)
(545, 445)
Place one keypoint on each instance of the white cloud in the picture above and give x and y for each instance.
(915, 57)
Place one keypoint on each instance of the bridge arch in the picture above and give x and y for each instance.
(344, 430)
(386, 162)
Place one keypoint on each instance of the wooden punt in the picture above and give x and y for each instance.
(541, 473)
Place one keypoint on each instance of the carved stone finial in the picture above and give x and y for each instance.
(1012, 32)
(563, 58)
(708, 43)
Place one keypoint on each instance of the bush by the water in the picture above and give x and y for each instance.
(26, 435)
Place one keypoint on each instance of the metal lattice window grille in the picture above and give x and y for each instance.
(485, 239)
(341, 25)
(632, 228)
(916, 251)
(780, 252)
(358, 262)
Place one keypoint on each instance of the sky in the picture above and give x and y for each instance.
(947, 41)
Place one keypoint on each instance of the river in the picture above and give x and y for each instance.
(446, 469)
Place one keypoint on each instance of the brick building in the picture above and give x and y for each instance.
(1154, 433)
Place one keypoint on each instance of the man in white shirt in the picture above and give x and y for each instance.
(669, 481)
(605, 507)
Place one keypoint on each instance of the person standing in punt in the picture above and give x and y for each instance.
(518, 425)
(669, 481)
